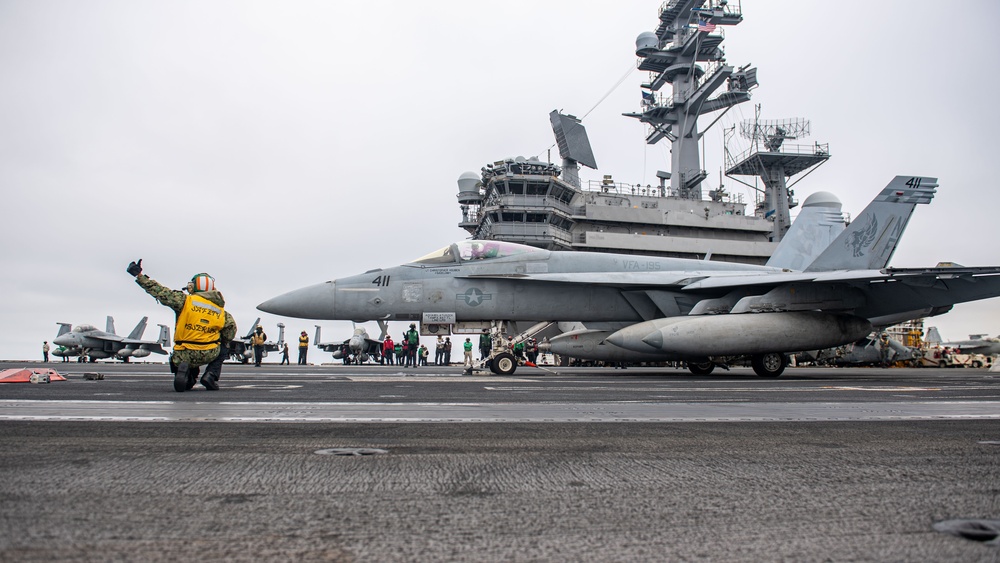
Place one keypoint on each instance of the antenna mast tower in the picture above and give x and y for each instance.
(690, 32)
(775, 162)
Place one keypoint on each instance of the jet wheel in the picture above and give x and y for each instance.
(769, 365)
(701, 368)
(503, 364)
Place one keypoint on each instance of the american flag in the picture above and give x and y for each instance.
(705, 25)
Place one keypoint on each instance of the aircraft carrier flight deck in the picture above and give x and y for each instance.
(350, 463)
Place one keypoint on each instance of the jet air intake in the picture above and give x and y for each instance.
(733, 335)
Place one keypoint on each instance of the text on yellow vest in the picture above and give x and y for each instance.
(198, 324)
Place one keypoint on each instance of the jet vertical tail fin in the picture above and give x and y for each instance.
(164, 339)
(317, 341)
(253, 327)
(64, 328)
(110, 325)
(139, 329)
(933, 336)
(871, 239)
(817, 225)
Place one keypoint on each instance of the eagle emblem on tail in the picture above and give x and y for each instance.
(862, 239)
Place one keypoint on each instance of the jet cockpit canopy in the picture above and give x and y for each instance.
(84, 328)
(468, 250)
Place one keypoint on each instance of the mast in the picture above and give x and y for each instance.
(689, 33)
(775, 161)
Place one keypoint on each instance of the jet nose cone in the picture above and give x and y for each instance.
(313, 302)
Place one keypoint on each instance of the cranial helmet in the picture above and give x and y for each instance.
(203, 282)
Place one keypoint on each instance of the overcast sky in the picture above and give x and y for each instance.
(281, 144)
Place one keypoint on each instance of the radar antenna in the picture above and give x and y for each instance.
(574, 145)
(774, 162)
(772, 133)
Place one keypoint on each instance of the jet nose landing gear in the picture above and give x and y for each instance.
(503, 364)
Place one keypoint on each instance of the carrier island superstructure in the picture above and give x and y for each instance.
(547, 205)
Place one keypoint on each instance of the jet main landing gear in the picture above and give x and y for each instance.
(769, 365)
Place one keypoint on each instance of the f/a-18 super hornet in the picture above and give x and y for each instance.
(976, 344)
(699, 311)
(87, 342)
(359, 348)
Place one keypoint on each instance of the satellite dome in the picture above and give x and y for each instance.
(646, 44)
(468, 182)
(822, 199)
(520, 159)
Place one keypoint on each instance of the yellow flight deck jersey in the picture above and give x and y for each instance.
(198, 324)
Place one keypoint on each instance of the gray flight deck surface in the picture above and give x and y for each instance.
(562, 465)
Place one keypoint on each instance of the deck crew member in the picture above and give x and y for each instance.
(202, 330)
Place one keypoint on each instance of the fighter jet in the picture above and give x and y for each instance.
(240, 349)
(359, 348)
(87, 342)
(702, 312)
(977, 343)
(871, 350)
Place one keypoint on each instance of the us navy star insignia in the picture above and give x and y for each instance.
(473, 297)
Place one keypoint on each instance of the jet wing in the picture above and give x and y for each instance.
(694, 280)
(615, 279)
(152, 346)
(910, 276)
(707, 280)
(332, 346)
(744, 279)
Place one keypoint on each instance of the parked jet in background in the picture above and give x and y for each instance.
(359, 348)
(703, 312)
(241, 351)
(882, 350)
(977, 343)
(87, 342)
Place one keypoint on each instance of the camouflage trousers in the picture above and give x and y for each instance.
(194, 358)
